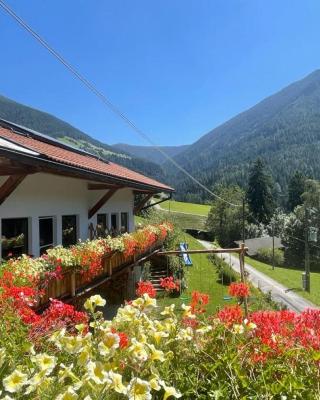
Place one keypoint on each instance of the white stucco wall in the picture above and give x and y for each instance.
(42, 195)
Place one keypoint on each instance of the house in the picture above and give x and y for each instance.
(52, 193)
(265, 242)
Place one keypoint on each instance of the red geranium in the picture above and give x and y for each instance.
(231, 315)
(239, 289)
(198, 301)
(169, 284)
(146, 287)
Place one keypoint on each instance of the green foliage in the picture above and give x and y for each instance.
(259, 193)
(224, 220)
(225, 273)
(296, 188)
(266, 255)
(305, 215)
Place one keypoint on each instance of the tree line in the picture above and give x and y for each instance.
(266, 211)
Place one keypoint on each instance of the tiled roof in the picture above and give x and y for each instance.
(77, 159)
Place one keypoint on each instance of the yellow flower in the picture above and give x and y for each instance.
(187, 312)
(84, 356)
(168, 310)
(44, 362)
(138, 303)
(72, 344)
(154, 383)
(169, 391)
(156, 355)
(158, 335)
(94, 301)
(14, 382)
(97, 372)
(139, 390)
(69, 394)
(138, 350)
(127, 313)
(149, 301)
(110, 342)
(116, 383)
(35, 381)
(238, 329)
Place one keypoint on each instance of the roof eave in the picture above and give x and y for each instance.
(41, 162)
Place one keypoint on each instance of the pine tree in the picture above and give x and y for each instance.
(259, 193)
(295, 189)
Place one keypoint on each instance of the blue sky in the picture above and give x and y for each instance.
(178, 68)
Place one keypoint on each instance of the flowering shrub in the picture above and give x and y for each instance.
(147, 353)
(146, 287)
(198, 302)
(169, 284)
(239, 289)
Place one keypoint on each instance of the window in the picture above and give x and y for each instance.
(14, 240)
(46, 234)
(102, 224)
(69, 230)
(124, 222)
(114, 222)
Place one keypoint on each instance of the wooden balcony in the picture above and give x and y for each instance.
(75, 284)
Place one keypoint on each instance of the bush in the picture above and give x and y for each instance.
(226, 274)
(265, 255)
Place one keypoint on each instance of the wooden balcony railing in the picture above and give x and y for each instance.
(73, 282)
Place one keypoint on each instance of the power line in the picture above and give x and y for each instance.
(113, 107)
(105, 100)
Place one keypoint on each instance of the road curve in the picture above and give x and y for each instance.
(279, 293)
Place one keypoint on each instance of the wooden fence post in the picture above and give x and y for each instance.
(243, 276)
(73, 284)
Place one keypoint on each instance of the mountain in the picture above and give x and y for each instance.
(50, 125)
(283, 129)
(149, 152)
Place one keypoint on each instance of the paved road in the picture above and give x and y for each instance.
(279, 293)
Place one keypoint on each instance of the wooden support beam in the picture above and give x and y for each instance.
(101, 202)
(142, 203)
(9, 186)
(204, 251)
(102, 186)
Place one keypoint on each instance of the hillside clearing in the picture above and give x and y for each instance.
(189, 208)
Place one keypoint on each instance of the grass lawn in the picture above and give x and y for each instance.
(203, 277)
(189, 221)
(291, 278)
(192, 208)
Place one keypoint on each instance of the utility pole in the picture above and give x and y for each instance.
(243, 221)
(272, 224)
(307, 251)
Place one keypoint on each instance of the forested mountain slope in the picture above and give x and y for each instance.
(50, 125)
(283, 129)
(150, 153)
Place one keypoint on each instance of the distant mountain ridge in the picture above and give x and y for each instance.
(52, 126)
(283, 129)
(150, 153)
